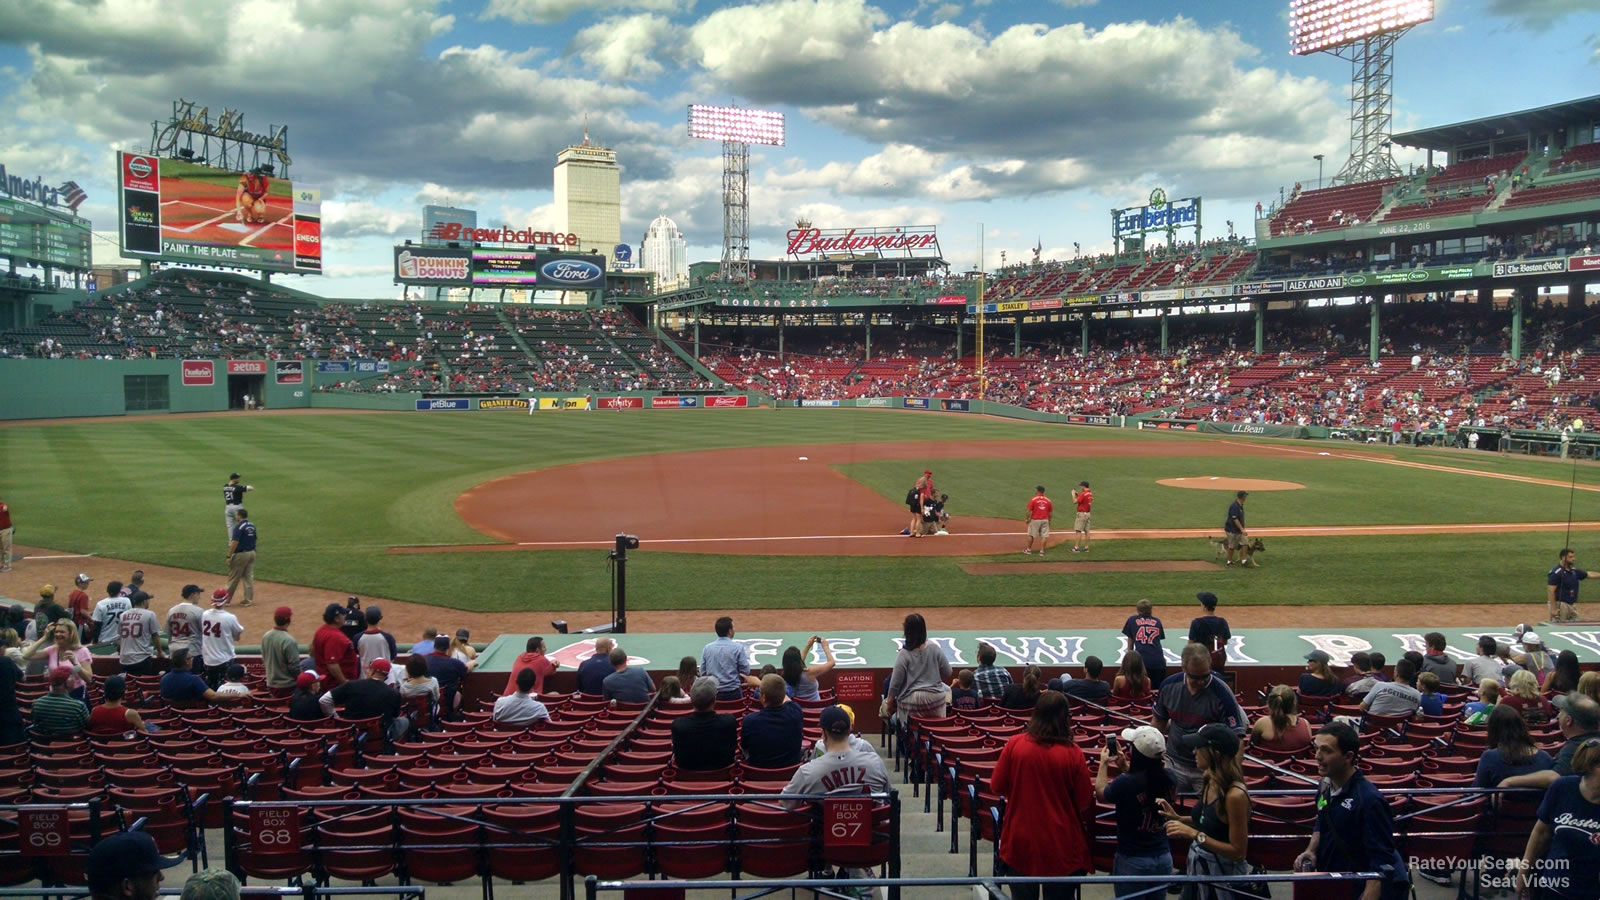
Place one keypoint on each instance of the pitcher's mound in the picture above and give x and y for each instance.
(1216, 483)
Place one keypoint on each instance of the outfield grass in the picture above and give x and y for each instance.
(334, 492)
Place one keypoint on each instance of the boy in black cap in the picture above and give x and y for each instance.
(127, 866)
(1211, 631)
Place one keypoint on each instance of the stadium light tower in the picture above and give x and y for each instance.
(737, 129)
(1364, 32)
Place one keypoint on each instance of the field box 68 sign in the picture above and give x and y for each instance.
(275, 828)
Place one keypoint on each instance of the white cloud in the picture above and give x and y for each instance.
(442, 195)
(1075, 4)
(544, 12)
(1080, 102)
(363, 218)
(1540, 15)
(625, 48)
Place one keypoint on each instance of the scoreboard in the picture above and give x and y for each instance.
(37, 236)
(504, 267)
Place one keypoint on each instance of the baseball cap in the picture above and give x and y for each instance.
(47, 590)
(1320, 656)
(122, 855)
(283, 612)
(381, 665)
(835, 721)
(927, 471)
(234, 475)
(189, 590)
(60, 675)
(1583, 714)
(82, 579)
(305, 679)
(1216, 737)
(219, 596)
(462, 634)
(1146, 740)
(211, 884)
(1531, 639)
(1518, 632)
(1207, 598)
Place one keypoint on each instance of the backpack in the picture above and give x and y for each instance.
(914, 495)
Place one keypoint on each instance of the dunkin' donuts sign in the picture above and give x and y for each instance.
(199, 372)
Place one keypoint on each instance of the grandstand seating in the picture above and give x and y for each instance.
(1545, 194)
(1331, 207)
(1583, 156)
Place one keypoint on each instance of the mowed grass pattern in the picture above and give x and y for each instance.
(334, 492)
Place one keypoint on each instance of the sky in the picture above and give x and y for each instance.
(1027, 121)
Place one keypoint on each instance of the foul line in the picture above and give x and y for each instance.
(1481, 473)
(263, 230)
(61, 556)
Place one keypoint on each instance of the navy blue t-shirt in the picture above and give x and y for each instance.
(772, 738)
(1235, 512)
(1144, 635)
(592, 674)
(1575, 833)
(1493, 768)
(245, 534)
(1566, 583)
(182, 686)
(448, 670)
(1139, 831)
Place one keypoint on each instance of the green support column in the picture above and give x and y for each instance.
(1016, 338)
(1516, 324)
(1085, 341)
(869, 338)
(1261, 326)
(1372, 335)
(780, 337)
(1164, 314)
(697, 339)
(958, 337)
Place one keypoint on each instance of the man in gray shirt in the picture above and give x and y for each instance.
(1187, 702)
(626, 685)
(843, 763)
(727, 661)
(1397, 697)
(139, 638)
(1484, 665)
(1436, 661)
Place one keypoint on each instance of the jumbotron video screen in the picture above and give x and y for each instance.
(185, 212)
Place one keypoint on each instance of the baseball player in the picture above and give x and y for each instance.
(232, 498)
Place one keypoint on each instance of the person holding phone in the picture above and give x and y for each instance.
(1142, 847)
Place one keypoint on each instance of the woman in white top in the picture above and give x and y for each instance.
(64, 650)
(461, 648)
(672, 691)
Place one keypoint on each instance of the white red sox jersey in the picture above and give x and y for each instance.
(833, 771)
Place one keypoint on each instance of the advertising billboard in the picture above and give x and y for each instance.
(186, 212)
(571, 271)
(436, 218)
(504, 266)
(443, 265)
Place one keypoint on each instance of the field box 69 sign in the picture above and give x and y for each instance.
(44, 832)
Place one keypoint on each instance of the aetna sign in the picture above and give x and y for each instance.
(455, 231)
(813, 241)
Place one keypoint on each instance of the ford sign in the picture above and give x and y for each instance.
(572, 271)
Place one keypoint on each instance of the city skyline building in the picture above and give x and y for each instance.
(666, 253)
(588, 196)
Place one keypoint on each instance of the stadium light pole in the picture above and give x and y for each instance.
(737, 128)
(1363, 32)
(1318, 158)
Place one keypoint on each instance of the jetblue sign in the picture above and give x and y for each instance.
(457, 403)
(1140, 219)
(568, 271)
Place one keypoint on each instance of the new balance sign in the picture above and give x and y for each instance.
(199, 372)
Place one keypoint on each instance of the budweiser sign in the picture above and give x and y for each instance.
(455, 231)
(906, 239)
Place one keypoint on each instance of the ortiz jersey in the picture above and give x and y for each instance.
(833, 771)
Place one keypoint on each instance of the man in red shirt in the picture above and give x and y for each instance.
(1038, 519)
(533, 659)
(1080, 526)
(78, 601)
(6, 531)
(334, 655)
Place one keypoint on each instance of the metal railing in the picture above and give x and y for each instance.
(994, 887)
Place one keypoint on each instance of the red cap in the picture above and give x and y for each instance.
(306, 679)
(219, 594)
(60, 675)
(283, 612)
(927, 471)
(381, 665)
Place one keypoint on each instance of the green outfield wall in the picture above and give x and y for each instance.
(60, 388)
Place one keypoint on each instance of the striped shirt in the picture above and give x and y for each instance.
(56, 715)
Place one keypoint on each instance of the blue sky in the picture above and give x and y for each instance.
(1033, 119)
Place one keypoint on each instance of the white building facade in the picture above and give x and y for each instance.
(588, 196)
(666, 253)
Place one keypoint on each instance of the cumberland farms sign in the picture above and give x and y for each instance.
(906, 239)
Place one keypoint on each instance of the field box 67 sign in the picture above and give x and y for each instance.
(847, 822)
